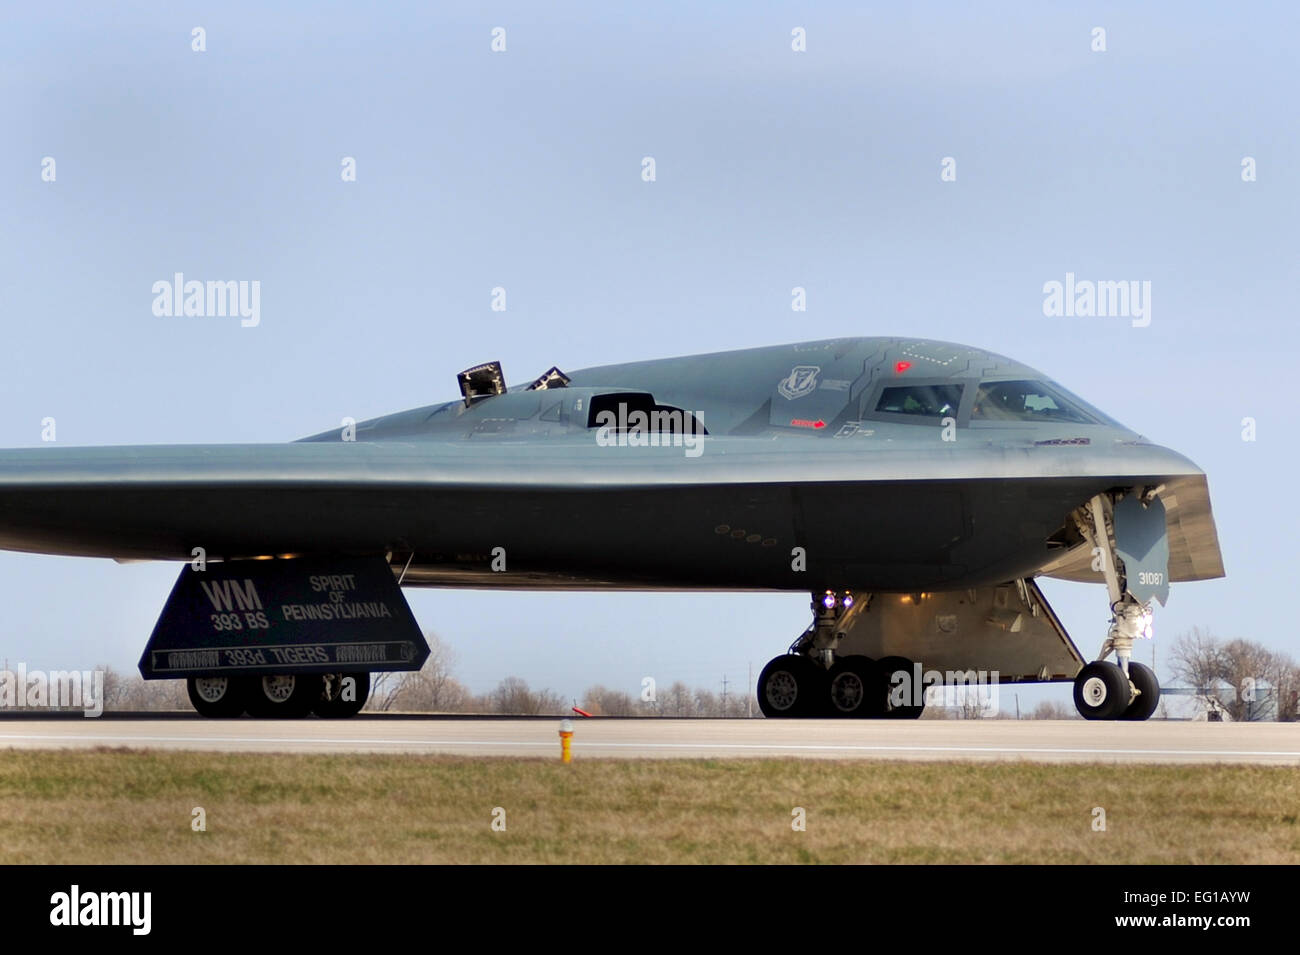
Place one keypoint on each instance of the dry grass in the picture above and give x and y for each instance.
(124, 806)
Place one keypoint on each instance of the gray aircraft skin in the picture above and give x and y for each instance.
(855, 465)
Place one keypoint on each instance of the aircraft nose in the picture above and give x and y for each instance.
(1145, 458)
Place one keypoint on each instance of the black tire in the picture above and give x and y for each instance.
(887, 693)
(282, 696)
(1148, 698)
(1101, 691)
(850, 690)
(333, 702)
(792, 686)
(216, 697)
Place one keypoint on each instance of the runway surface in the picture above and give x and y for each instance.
(1037, 740)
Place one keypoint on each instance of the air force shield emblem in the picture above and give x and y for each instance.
(802, 381)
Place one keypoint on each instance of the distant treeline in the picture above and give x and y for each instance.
(1196, 659)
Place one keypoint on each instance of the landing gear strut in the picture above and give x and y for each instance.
(813, 680)
(1124, 690)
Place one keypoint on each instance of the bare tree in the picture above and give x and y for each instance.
(974, 703)
(677, 701)
(432, 689)
(1052, 710)
(602, 701)
(512, 695)
(116, 688)
(1266, 680)
(734, 706)
(156, 695)
(131, 692)
(1197, 659)
(1264, 683)
(384, 687)
(706, 703)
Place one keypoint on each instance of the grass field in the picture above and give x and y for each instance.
(124, 806)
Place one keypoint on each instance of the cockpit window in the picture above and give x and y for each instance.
(926, 401)
(1026, 401)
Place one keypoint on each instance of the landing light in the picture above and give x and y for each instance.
(847, 602)
(829, 600)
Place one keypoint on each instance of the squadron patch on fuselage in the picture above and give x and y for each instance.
(802, 381)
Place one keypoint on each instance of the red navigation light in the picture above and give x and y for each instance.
(902, 366)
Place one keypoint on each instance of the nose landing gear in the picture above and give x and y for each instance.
(1101, 691)
(1124, 690)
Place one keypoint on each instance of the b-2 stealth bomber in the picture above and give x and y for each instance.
(915, 489)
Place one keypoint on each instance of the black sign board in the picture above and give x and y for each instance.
(302, 615)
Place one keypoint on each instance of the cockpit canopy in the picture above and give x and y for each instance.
(1026, 400)
(928, 401)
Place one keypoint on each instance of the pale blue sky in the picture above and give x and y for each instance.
(522, 169)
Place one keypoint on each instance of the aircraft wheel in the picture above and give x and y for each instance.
(1148, 687)
(1101, 691)
(339, 699)
(791, 686)
(898, 700)
(850, 688)
(282, 695)
(216, 696)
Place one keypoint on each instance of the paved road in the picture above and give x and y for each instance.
(1044, 741)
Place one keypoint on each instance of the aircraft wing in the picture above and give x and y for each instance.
(571, 500)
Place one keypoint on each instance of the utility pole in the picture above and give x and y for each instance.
(724, 694)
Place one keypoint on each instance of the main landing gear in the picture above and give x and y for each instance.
(813, 681)
(281, 695)
(1124, 690)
